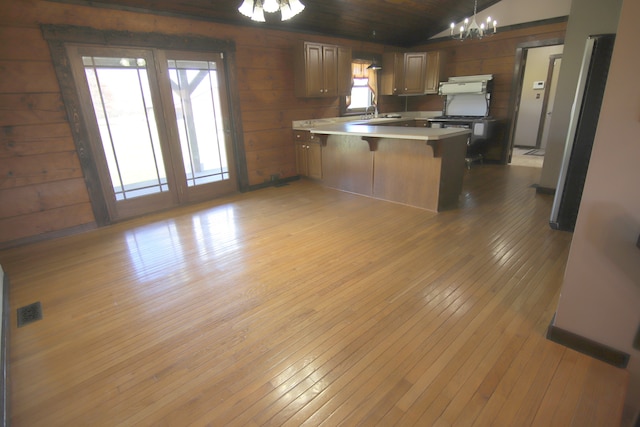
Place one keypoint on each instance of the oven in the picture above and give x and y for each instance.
(466, 105)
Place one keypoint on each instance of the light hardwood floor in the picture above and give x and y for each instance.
(302, 305)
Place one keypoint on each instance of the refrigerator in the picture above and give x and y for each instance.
(582, 128)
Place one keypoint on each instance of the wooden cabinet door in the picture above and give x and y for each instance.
(434, 68)
(314, 160)
(415, 68)
(314, 69)
(322, 70)
(391, 80)
(330, 70)
(344, 71)
(301, 158)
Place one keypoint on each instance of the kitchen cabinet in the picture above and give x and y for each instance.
(344, 70)
(391, 76)
(308, 154)
(322, 70)
(411, 73)
(415, 71)
(435, 71)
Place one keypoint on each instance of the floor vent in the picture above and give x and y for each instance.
(29, 313)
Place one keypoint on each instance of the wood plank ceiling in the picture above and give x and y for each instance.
(402, 23)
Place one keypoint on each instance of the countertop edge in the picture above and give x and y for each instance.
(372, 131)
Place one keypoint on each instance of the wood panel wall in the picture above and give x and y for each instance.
(42, 190)
(491, 55)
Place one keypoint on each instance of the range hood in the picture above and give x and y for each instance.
(466, 85)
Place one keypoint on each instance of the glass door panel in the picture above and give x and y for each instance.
(198, 98)
(121, 99)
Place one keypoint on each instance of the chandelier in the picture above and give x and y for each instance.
(255, 9)
(471, 29)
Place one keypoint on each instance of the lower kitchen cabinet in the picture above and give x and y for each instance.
(308, 154)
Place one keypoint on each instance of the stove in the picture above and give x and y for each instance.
(468, 110)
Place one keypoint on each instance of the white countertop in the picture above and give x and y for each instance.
(398, 132)
(408, 115)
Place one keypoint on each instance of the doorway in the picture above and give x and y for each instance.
(186, 141)
(156, 120)
(555, 61)
(535, 80)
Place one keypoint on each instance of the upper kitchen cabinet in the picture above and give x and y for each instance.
(322, 70)
(344, 70)
(411, 73)
(435, 71)
(415, 72)
(391, 78)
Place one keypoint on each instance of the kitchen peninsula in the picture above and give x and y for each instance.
(386, 159)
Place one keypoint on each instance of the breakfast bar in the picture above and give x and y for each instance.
(416, 166)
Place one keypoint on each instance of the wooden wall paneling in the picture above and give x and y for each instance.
(31, 108)
(42, 197)
(258, 79)
(271, 139)
(23, 44)
(21, 171)
(27, 77)
(24, 226)
(35, 139)
(262, 164)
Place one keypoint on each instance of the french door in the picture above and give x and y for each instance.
(158, 125)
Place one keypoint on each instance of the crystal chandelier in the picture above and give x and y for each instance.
(471, 29)
(255, 9)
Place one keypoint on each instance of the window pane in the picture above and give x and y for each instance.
(121, 99)
(360, 97)
(198, 113)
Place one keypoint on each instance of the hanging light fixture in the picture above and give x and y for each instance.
(255, 9)
(471, 29)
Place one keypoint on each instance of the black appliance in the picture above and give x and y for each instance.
(582, 128)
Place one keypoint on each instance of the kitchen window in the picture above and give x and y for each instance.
(363, 88)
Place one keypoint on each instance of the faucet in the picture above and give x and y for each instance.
(366, 112)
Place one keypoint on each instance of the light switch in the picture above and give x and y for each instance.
(538, 85)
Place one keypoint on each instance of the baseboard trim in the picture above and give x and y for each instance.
(275, 183)
(545, 190)
(589, 347)
(49, 235)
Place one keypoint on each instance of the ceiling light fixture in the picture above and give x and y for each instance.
(255, 9)
(471, 29)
